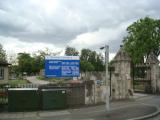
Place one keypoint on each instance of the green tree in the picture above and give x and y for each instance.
(93, 58)
(142, 39)
(86, 66)
(2, 54)
(39, 59)
(25, 63)
(99, 64)
(38, 63)
(70, 51)
(85, 54)
(12, 59)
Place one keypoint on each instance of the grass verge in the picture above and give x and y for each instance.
(17, 82)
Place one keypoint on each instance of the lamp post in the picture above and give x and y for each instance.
(106, 47)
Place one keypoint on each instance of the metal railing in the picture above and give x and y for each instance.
(4, 91)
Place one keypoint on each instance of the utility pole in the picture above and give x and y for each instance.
(107, 80)
(106, 47)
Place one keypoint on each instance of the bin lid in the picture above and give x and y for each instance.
(53, 89)
(23, 89)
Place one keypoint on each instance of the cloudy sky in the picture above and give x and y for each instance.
(30, 25)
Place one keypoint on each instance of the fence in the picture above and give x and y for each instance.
(142, 78)
(4, 91)
(3, 95)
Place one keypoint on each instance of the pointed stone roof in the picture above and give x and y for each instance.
(122, 56)
(152, 59)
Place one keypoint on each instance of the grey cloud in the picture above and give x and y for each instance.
(22, 20)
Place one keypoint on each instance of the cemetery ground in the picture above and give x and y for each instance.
(141, 105)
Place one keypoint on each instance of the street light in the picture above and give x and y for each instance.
(106, 47)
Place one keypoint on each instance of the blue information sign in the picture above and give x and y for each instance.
(62, 66)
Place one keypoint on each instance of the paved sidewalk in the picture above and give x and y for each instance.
(121, 110)
(139, 95)
(34, 80)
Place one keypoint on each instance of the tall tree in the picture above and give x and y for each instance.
(85, 54)
(12, 59)
(39, 59)
(2, 54)
(99, 64)
(25, 62)
(91, 60)
(41, 54)
(86, 66)
(71, 51)
(143, 38)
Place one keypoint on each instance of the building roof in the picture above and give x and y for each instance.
(152, 59)
(4, 63)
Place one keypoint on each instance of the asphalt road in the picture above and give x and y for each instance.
(155, 100)
(120, 110)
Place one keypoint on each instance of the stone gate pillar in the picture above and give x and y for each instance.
(121, 85)
(153, 61)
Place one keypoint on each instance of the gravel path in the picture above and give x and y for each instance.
(34, 80)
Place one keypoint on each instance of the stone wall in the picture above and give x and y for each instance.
(94, 93)
(158, 81)
(98, 87)
(89, 92)
(92, 76)
(100, 93)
